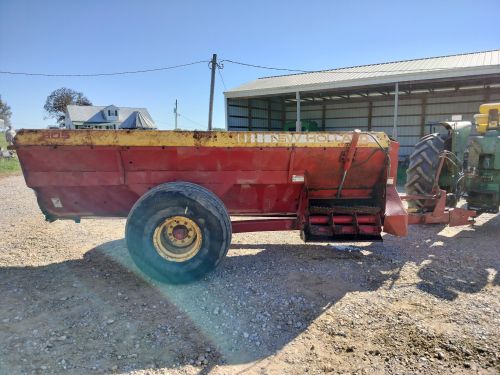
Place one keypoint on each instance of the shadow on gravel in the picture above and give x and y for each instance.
(464, 263)
(91, 314)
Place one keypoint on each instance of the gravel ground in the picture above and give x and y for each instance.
(72, 302)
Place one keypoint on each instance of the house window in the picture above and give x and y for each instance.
(109, 112)
(116, 112)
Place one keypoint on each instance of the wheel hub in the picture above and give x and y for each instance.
(177, 239)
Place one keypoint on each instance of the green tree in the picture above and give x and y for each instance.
(5, 112)
(59, 99)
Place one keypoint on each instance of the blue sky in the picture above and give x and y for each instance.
(108, 36)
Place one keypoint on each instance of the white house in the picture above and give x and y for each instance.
(109, 117)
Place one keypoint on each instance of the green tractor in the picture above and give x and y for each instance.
(464, 161)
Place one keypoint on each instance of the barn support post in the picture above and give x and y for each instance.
(423, 111)
(269, 114)
(283, 113)
(323, 117)
(370, 115)
(298, 125)
(250, 125)
(487, 94)
(395, 124)
(226, 109)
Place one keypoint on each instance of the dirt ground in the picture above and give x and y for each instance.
(72, 302)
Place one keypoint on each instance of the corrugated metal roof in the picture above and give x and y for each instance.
(467, 64)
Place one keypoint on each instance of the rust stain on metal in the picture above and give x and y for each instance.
(202, 138)
(153, 138)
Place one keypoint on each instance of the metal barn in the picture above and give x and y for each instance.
(404, 98)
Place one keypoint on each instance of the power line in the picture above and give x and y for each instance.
(328, 71)
(332, 71)
(266, 67)
(164, 123)
(190, 120)
(222, 79)
(105, 74)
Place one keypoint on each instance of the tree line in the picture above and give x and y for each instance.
(55, 105)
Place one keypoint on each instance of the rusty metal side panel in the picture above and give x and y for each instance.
(396, 217)
(90, 180)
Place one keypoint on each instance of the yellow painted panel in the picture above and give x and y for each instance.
(487, 107)
(155, 138)
(483, 119)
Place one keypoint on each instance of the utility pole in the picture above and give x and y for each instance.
(212, 83)
(176, 114)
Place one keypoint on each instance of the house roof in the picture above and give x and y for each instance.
(461, 65)
(138, 120)
(126, 115)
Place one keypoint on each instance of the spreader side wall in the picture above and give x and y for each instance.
(74, 181)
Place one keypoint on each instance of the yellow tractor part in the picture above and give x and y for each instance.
(488, 117)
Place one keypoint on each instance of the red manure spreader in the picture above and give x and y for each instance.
(179, 189)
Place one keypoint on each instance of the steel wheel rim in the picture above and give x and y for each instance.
(177, 239)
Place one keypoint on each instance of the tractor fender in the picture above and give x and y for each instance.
(460, 132)
(457, 126)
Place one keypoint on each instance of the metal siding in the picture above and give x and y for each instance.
(385, 129)
(310, 107)
(259, 113)
(237, 111)
(411, 110)
(259, 124)
(465, 98)
(276, 106)
(276, 125)
(310, 115)
(236, 122)
(335, 113)
(350, 115)
(241, 102)
(345, 105)
(383, 103)
(453, 108)
(350, 123)
(382, 121)
(259, 104)
(276, 115)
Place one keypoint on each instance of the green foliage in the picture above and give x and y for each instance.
(7, 166)
(5, 112)
(3, 142)
(59, 99)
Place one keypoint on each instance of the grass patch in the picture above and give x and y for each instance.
(8, 166)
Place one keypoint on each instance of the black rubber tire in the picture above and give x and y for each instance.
(173, 199)
(422, 169)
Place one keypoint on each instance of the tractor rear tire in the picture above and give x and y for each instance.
(421, 172)
(178, 232)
